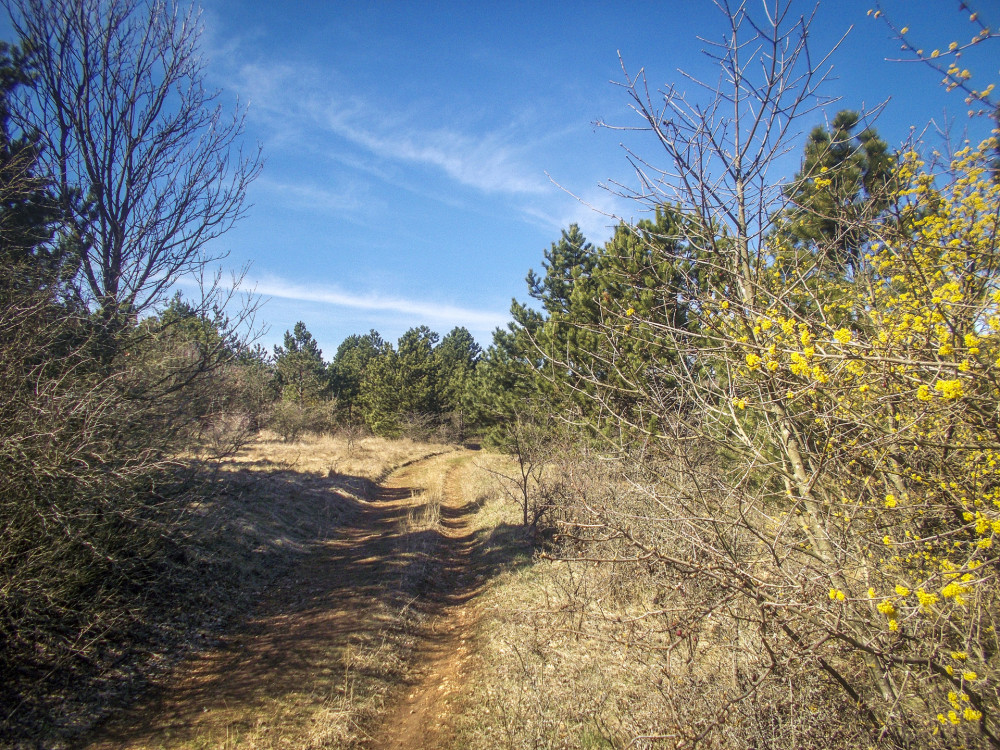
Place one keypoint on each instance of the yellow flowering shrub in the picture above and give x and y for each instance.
(874, 392)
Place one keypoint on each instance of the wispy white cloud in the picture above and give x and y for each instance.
(488, 162)
(305, 195)
(420, 310)
(301, 105)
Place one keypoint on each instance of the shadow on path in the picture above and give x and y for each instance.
(309, 635)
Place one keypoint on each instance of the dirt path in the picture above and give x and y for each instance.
(423, 718)
(363, 646)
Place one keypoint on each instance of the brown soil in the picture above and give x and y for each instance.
(423, 717)
(329, 639)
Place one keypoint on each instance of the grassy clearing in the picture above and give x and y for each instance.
(254, 519)
(555, 663)
(370, 458)
(552, 671)
(539, 680)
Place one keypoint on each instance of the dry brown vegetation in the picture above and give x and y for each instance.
(377, 573)
(371, 633)
(363, 457)
(414, 609)
(598, 645)
(245, 524)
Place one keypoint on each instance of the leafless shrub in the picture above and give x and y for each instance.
(419, 426)
(81, 517)
(352, 432)
(629, 632)
(531, 446)
(94, 496)
(292, 419)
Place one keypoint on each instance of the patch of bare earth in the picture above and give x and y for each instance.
(362, 645)
(424, 717)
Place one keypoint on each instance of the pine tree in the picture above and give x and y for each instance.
(550, 341)
(378, 393)
(456, 358)
(350, 366)
(300, 367)
(401, 383)
(586, 347)
(643, 273)
(417, 372)
(843, 185)
(504, 383)
(566, 263)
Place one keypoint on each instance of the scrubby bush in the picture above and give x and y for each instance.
(291, 419)
(79, 464)
(97, 475)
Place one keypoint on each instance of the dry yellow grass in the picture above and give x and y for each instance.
(563, 655)
(293, 526)
(552, 673)
(371, 458)
(600, 650)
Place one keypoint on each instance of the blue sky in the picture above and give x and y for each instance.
(421, 156)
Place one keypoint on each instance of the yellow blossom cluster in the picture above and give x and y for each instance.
(889, 379)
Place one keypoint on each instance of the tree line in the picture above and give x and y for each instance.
(422, 387)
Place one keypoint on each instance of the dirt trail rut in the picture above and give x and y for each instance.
(423, 717)
(324, 664)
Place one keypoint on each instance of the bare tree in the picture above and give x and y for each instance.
(530, 446)
(720, 141)
(146, 159)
